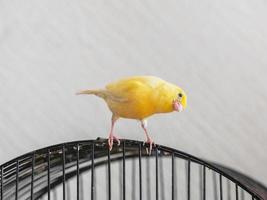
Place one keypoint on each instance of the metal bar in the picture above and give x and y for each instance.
(140, 171)
(17, 179)
(63, 171)
(32, 176)
(236, 191)
(204, 182)
(172, 176)
(48, 173)
(188, 179)
(157, 172)
(2, 181)
(167, 149)
(211, 166)
(221, 192)
(93, 171)
(5, 170)
(109, 178)
(78, 171)
(123, 170)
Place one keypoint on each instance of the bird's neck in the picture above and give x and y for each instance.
(163, 101)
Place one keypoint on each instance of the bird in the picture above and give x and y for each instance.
(139, 97)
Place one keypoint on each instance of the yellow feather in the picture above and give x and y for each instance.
(139, 97)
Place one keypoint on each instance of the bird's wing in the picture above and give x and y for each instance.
(115, 97)
(134, 87)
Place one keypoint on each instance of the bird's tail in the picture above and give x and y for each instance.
(99, 93)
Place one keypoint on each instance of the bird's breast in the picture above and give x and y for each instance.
(132, 109)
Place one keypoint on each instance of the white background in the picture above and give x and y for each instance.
(215, 50)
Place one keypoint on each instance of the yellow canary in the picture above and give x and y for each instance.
(139, 97)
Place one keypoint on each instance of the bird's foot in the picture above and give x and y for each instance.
(150, 142)
(111, 138)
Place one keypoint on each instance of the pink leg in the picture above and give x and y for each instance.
(111, 136)
(149, 139)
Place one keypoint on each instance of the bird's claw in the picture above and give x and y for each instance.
(111, 138)
(150, 142)
(110, 143)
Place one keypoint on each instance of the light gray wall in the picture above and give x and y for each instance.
(215, 50)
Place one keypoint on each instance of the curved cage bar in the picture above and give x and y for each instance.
(88, 170)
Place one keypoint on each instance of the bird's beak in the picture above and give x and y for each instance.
(177, 106)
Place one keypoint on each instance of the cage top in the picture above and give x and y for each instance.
(127, 149)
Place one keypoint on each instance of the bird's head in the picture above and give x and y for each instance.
(179, 102)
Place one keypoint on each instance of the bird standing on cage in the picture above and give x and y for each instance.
(139, 97)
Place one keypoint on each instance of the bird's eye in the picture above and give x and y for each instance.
(180, 95)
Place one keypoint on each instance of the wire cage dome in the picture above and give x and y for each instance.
(88, 170)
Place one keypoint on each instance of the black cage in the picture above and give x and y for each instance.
(88, 170)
